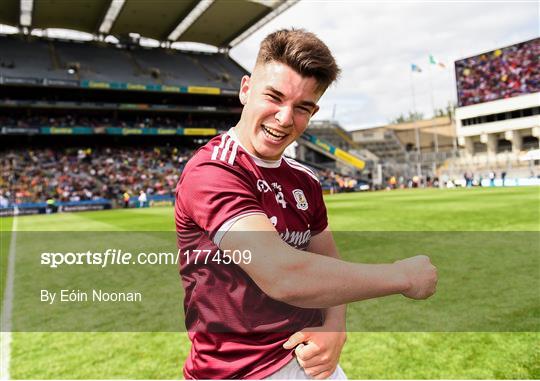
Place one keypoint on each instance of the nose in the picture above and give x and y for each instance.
(285, 116)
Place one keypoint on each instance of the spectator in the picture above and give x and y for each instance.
(492, 179)
(126, 198)
(142, 199)
(4, 202)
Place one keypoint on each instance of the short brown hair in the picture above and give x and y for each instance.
(303, 51)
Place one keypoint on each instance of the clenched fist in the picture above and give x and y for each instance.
(420, 276)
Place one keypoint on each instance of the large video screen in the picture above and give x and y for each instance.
(502, 73)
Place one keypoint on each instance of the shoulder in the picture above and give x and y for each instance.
(301, 169)
(220, 161)
(222, 151)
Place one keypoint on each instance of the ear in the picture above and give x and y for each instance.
(244, 89)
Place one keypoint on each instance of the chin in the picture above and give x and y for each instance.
(268, 149)
(268, 153)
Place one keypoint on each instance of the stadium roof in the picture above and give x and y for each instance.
(221, 23)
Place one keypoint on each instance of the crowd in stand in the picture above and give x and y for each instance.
(70, 174)
(402, 182)
(504, 73)
(80, 174)
(68, 120)
(36, 175)
(335, 182)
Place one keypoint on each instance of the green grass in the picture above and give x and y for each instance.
(484, 242)
(5, 239)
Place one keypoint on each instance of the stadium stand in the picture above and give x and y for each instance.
(127, 120)
(83, 147)
(503, 73)
(103, 62)
(31, 58)
(409, 149)
(498, 121)
(99, 63)
(72, 174)
(80, 119)
(104, 174)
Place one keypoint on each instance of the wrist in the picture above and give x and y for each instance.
(401, 282)
(335, 325)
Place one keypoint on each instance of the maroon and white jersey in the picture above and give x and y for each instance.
(237, 331)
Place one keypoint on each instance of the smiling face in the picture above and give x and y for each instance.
(278, 103)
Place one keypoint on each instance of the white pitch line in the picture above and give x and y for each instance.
(5, 345)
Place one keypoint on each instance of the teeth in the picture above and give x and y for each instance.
(272, 133)
(275, 132)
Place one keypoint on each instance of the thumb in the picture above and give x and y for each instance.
(298, 350)
(295, 339)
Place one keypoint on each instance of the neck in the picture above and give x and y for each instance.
(242, 135)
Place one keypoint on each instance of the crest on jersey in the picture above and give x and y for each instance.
(301, 201)
(263, 186)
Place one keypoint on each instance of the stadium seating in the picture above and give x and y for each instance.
(173, 69)
(99, 63)
(102, 62)
(82, 174)
(72, 174)
(30, 58)
(72, 119)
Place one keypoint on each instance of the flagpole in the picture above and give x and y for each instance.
(435, 136)
(416, 132)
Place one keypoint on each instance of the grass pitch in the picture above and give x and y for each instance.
(485, 243)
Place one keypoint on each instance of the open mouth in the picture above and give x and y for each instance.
(272, 134)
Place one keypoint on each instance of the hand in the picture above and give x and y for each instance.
(421, 276)
(317, 350)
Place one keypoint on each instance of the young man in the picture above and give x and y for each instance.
(278, 310)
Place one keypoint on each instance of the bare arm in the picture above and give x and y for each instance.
(318, 349)
(310, 280)
(324, 244)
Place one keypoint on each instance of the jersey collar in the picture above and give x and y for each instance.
(260, 162)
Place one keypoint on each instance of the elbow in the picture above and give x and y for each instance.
(287, 291)
(285, 279)
(281, 292)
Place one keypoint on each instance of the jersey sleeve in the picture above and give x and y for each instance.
(215, 196)
(320, 217)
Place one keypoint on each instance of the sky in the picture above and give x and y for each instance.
(375, 43)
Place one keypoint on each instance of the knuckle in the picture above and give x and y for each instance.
(309, 371)
(323, 375)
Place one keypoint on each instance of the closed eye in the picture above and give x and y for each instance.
(273, 97)
(304, 109)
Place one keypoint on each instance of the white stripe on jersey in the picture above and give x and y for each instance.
(233, 153)
(225, 150)
(217, 148)
(296, 165)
